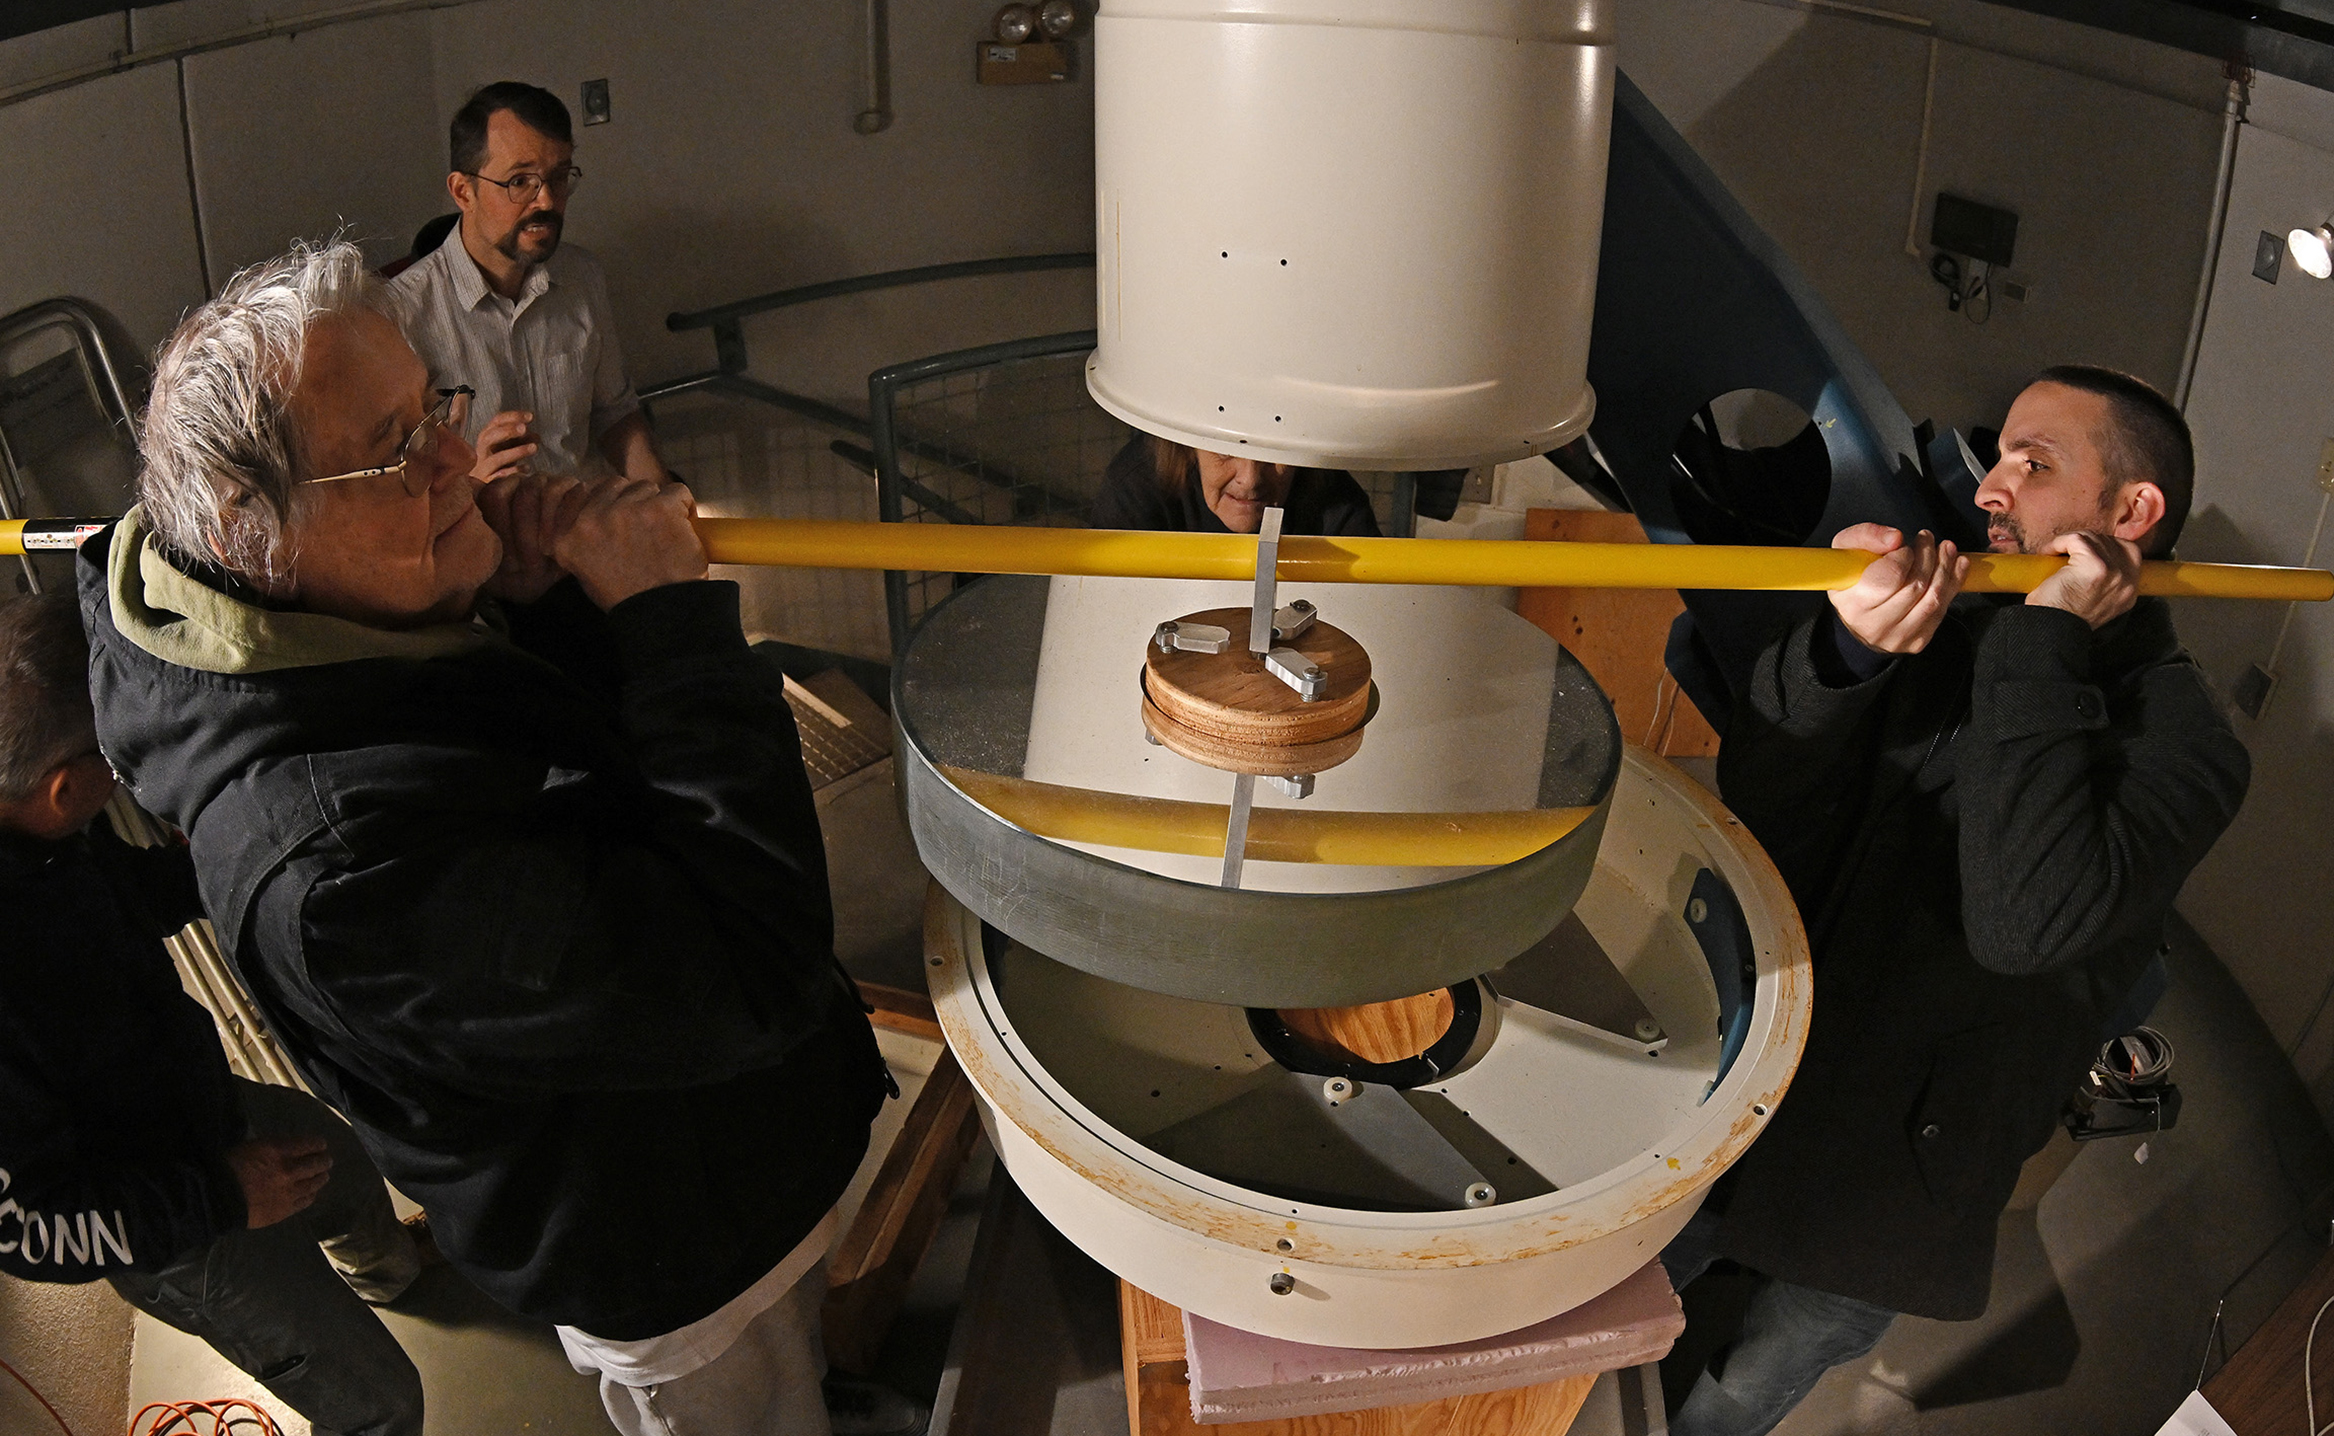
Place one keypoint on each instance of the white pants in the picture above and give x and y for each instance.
(765, 1384)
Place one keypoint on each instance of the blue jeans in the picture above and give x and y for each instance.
(1791, 1335)
(270, 1302)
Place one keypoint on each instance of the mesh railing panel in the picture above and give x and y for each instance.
(744, 460)
(1002, 435)
(1015, 442)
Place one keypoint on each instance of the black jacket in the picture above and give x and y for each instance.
(116, 1107)
(1985, 840)
(555, 937)
(1320, 501)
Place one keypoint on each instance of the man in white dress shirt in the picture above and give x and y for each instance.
(503, 307)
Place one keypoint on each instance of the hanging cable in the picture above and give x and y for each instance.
(36, 1395)
(2309, 1385)
(2317, 531)
(2127, 1090)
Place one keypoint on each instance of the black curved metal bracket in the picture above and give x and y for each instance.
(1296, 1054)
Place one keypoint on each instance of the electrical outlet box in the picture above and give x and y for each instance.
(2325, 473)
(1972, 230)
(595, 102)
(1032, 62)
(2252, 690)
(2268, 257)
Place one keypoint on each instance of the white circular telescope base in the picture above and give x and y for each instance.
(1158, 1136)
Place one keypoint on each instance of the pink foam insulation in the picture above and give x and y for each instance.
(1237, 1376)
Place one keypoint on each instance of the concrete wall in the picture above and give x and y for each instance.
(730, 166)
(73, 1344)
(1814, 118)
(102, 168)
(731, 169)
(2262, 406)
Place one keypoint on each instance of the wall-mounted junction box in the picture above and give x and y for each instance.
(1032, 62)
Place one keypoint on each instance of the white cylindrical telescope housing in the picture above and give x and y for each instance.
(1351, 234)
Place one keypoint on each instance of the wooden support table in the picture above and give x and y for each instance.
(2259, 1392)
(1185, 1374)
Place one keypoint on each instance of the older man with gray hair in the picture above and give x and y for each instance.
(531, 887)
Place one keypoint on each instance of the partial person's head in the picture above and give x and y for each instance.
(1236, 491)
(52, 778)
(512, 151)
(269, 404)
(2089, 450)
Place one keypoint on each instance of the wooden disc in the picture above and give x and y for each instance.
(1265, 760)
(1376, 1031)
(1230, 695)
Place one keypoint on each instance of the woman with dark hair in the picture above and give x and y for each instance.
(1155, 483)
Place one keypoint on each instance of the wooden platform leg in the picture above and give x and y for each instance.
(868, 1278)
(1158, 1394)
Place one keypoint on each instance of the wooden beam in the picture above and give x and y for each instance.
(867, 1280)
(901, 1010)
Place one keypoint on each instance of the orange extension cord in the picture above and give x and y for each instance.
(175, 1418)
(36, 1395)
(181, 1418)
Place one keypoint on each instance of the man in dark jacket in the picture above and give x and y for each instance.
(127, 1150)
(544, 911)
(1985, 810)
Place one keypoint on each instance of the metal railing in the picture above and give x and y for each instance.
(727, 321)
(100, 381)
(1000, 434)
(1007, 434)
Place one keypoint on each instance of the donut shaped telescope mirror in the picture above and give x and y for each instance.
(1459, 829)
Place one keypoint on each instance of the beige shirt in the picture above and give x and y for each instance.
(551, 351)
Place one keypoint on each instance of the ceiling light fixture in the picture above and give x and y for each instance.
(2313, 250)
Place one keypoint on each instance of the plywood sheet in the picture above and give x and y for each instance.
(1618, 634)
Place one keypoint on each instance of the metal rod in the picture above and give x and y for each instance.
(1236, 828)
(1495, 563)
(889, 279)
(1267, 583)
(876, 116)
(2232, 115)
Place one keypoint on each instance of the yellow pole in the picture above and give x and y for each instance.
(1500, 563)
(1280, 835)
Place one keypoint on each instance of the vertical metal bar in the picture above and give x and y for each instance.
(876, 117)
(1236, 828)
(2232, 115)
(1403, 521)
(729, 346)
(1260, 613)
(1912, 224)
(12, 507)
(883, 440)
(1267, 583)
